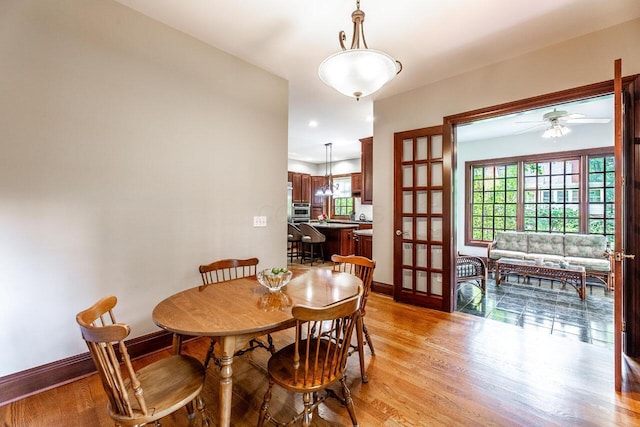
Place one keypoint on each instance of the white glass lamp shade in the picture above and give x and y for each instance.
(556, 131)
(358, 72)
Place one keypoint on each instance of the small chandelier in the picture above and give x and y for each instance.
(328, 188)
(357, 71)
(556, 130)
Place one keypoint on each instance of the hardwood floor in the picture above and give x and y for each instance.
(430, 368)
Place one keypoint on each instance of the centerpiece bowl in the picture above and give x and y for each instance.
(274, 279)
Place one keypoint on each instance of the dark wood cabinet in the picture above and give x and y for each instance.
(316, 211)
(317, 201)
(305, 184)
(301, 187)
(339, 239)
(347, 245)
(366, 195)
(364, 245)
(356, 184)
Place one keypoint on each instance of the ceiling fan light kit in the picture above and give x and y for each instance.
(358, 71)
(556, 130)
(556, 118)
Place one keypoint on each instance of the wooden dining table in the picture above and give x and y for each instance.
(240, 310)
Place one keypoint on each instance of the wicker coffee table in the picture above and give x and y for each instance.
(573, 275)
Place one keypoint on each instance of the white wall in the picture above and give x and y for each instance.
(130, 154)
(581, 61)
(581, 137)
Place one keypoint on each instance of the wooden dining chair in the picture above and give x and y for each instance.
(361, 267)
(315, 361)
(225, 270)
(139, 396)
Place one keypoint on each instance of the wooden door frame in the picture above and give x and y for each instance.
(574, 94)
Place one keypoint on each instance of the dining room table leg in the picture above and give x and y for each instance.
(228, 349)
(177, 343)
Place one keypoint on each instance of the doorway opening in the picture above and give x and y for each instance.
(541, 170)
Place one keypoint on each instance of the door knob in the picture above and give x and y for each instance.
(398, 232)
(619, 256)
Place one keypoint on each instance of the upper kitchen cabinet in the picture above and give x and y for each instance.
(316, 183)
(356, 184)
(366, 194)
(301, 187)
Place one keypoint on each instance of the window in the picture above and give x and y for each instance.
(545, 206)
(495, 197)
(544, 194)
(601, 195)
(342, 204)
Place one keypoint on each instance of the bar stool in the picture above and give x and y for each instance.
(294, 239)
(311, 237)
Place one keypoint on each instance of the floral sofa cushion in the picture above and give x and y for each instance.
(546, 243)
(593, 264)
(585, 246)
(511, 241)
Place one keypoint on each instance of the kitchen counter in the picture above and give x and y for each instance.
(321, 225)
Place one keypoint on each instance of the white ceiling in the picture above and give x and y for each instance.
(433, 39)
(532, 120)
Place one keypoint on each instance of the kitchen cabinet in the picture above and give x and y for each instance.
(364, 244)
(356, 184)
(339, 238)
(305, 184)
(317, 201)
(366, 165)
(316, 212)
(301, 187)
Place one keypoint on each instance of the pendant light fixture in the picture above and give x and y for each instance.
(328, 188)
(358, 71)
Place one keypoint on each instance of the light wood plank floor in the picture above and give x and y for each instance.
(430, 368)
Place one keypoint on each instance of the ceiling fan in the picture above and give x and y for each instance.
(556, 119)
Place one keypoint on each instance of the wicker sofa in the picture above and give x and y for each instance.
(592, 251)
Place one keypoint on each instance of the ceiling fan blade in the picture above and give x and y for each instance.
(589, 120)
(527, 129)
(572, 116)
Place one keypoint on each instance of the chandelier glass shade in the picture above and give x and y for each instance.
(358, 71)
(328, 188)
(556, 130)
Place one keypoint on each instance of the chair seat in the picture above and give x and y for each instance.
(168, 383)
(282, 371)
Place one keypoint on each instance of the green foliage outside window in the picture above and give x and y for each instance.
(343, 206)
(547, 197)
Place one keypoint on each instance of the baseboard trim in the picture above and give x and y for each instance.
(35, 380)
(382, 288)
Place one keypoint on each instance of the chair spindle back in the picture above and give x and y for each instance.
(102, 333)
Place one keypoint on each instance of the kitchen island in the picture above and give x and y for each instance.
(339, 237)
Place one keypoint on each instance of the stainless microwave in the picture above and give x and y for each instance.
(301, 211)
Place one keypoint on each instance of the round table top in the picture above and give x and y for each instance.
(243, 306)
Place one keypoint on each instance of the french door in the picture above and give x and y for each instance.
(626, 266)
(422, 210)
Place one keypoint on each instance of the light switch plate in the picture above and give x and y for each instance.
(259, 221)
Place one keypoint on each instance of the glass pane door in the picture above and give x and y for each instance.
(419, 216)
